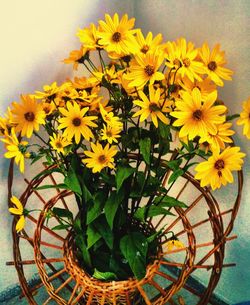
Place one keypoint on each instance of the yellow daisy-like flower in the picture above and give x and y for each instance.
(109, 117)
(75, 123)
(89, 38)
(58, 143)
(16, 149)
(28, 115)
(144, 69)
(214, 62)
(117, 36)
(206, 86)
(18, 210)
(100, 157)
(49, 92)
(195, 117)
(182, 56)
(86, 83)
(48, 108)
(75, 57)
(245, 118)
(217, 141)
(154, 106)
(173, 244)
(217, 169)
(110, 133)
(149, 43)
(6, 123)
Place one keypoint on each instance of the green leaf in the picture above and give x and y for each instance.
(138, 185)
(105, 276)
(95, 207)
(168, 201)
(80, 242)
(232, 117)
(112, 205)
(102, 227)
(164, 130)
(72, 181)
(174, 164)
(122, 174)
(51, 186)
(175, 175)
(92, 236)
(134, 247)
(62, 213)
(151, 211)
(145, 149)
(47, 172)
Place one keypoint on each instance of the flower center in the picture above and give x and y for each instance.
(59, 145)
(109, 133)
(212, 66)
(102, 159)
(149, 70)
(197, 115)
(153, 107)
(76, 122)
(145, 49)
(116, 37)
(186, 62)
(29, 116)
(219, 164)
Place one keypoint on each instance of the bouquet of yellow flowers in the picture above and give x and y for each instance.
(146, 113)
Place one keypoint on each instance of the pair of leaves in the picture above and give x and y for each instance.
(111, 206)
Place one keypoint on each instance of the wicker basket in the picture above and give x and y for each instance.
(77, 287)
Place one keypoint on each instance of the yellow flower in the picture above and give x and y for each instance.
(182, 56)
(110, 133)
(18, 210)
(149, 43)
(28, 115)
(86, 83)
(16, 149)
(48, 108)
(217, 141)
(217, 169)
(75, 57)
(197, 119)
(75, 123)
(109, 117)
(109, 73)
(58, 142)
(6, 123)
(100, 157)
(153, 106)
(144, 69)
(49, 92)
(174, 243)
(214, 62)
(88, 37)
(117, 36)
(245, 118)
(206, 86)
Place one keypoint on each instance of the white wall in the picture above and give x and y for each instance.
(36, 35)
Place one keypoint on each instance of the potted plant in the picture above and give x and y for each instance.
(146, 114)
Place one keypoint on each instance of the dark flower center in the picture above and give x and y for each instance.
(212, 66)
(186, 62)
(29, 116)
(197, 115)
(102, 159)
(154, 107)
(145, 49)
(109, 133)
(219, 164)
(116, 37)
(149, 70)
(59, 145)
(77, 122)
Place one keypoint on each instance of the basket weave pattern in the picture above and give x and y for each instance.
(82, 289)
